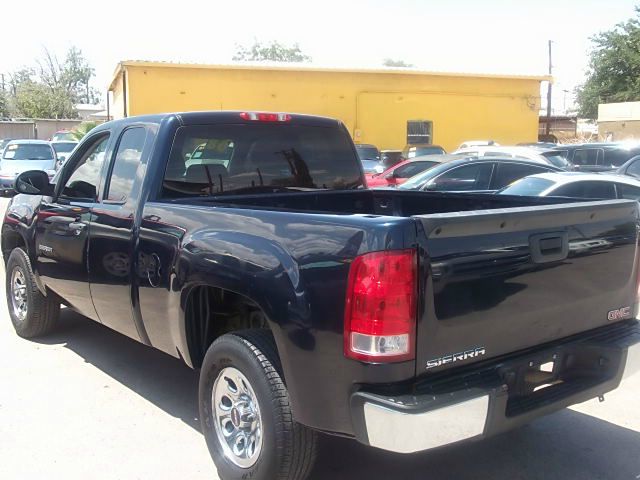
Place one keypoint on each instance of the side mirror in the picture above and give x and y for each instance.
(33, 182)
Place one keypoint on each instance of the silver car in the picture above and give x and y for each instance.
(22, 155)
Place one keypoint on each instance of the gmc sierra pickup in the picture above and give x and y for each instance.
(246, 244)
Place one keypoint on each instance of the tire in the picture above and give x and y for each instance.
(288, 449)
(40, 313)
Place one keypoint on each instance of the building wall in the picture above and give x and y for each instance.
(619, 130)
(42, 129)
(374, 106)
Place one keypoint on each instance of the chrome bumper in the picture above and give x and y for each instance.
(407, 433)
(633, 361)
(499, 396)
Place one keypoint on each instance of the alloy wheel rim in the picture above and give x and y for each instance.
(19, 300)
(237, 419)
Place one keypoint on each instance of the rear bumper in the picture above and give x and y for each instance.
(497, 396)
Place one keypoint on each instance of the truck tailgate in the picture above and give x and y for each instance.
(499, 281)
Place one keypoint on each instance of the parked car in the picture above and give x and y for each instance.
(389, 158)
(631, 167)
(3, 143)
(22, 155)
(63, 136)
(548, 156)
(544, 145)
(598, 157)
(401, 172)
(411, 151)
(486, 174)
(478, 143)
(405, 320)
(371, 167)
(576, 185)
(368, 152)
(63, 149)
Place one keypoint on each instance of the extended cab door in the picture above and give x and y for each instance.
(111, 242)
(62, 226)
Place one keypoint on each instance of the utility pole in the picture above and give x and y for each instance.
(548, 127)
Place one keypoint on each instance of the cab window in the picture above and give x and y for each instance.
(85, 178)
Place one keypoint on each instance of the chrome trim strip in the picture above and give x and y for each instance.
(633, 361)
(407, 433)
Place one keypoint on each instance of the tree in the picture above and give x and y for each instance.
(72, 76)
(272, 52)
(4, 105)
(390, 62)
(36, 100)
(79, 131)
(614, 68)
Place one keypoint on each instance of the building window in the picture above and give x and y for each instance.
(419, 131)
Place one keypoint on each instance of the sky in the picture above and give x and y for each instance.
(490, 36)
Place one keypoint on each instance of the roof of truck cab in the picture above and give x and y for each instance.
(222, 117)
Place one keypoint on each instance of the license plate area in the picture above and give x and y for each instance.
(549, 377)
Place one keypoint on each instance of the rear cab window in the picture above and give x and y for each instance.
(220, 159)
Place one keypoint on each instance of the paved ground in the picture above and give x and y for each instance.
(90, 403)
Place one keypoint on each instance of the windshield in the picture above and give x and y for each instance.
(419, 151)
(28, 152)
(557, 159)
(529, 186)
(367, 153)
(417, 181)
(63, 147)
(62, 136)
(209, 160)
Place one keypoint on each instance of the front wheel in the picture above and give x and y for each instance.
(245, 412)
(32, 313)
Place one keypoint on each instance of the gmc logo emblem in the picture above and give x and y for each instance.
(619, 314)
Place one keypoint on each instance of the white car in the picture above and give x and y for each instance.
(478, 143)
(549, 157)
(575, 185)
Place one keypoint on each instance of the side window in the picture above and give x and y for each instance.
(510, 172)
(474, 176)
(85, 177)
(634, 169)
(411, 169)
(587, 156)
(628, 191)
(593, 190)
(419, 131)
(125, 164)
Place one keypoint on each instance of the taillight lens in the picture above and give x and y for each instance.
(265, 117)
(380, 311)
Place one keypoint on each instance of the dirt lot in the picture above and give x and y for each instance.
(90, 403)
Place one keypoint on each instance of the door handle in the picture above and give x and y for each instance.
(77, 227)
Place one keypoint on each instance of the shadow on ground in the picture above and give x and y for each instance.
(567, 445)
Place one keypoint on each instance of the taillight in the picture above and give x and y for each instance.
(380, 310)
(265, 117)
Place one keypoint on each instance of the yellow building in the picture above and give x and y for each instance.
(382, 107)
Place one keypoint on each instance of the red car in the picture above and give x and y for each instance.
(401, 172)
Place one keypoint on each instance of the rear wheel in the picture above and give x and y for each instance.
(32, 313)
(245, 412)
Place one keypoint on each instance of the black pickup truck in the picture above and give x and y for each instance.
(245, 244)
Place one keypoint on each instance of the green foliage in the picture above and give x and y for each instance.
(614, 68)
(52, 89)
(81, 130)
(390, 62)
(35, 100)
(272, 52)
(4, 105)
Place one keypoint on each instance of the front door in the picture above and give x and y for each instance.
(62, 227)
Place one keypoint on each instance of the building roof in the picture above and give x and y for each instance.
(297, 67)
